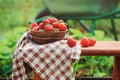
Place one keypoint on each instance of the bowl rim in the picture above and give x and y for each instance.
(47, 31)
(45, 38)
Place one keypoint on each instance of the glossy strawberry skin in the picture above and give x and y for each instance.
(55, 24)
(33, 24)
(46, 21)
(85, 42)
(36, 28)
(48, 27)
(62, 26)
(92, 41)
(53, 19)
(71, 42)
(41, 25)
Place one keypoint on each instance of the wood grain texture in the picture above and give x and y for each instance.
(102, 48)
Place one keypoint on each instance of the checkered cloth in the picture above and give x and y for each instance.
(50, 61)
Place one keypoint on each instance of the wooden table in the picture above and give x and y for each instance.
(106, 48)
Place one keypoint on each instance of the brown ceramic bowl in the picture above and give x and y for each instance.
(45, 40)
(47, 34)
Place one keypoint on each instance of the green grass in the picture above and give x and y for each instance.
(16, 13)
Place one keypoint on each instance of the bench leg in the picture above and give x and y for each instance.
(116, 69)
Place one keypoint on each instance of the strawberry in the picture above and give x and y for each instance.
(41, 25)
(85, 42)
(53, 19)
(55, 24)
(71, 42)
(36, 28)
(48, 27)
(46, 21)
(62, 26)
(92, 41)
(33, 24)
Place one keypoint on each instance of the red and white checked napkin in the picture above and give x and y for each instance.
(50, 61)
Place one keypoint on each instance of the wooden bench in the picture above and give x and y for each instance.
(105, 48)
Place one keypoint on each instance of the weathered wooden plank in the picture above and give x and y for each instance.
(102, 48)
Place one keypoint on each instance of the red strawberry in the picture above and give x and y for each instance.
(48, 27)
(62, 26)
(55, 24)
(41, 25)
(92, 41)
(53, 19)
(36, 28)
(85, 42)
(71, 42)
(46, 21)
(33, 24)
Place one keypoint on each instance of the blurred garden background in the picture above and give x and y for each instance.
(14, 18)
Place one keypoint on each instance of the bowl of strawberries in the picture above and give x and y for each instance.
(48, 30)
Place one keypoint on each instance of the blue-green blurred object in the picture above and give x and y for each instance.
(80, 7)
(82, 10)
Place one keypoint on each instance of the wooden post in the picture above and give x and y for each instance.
(36, 76)
(116, 69)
